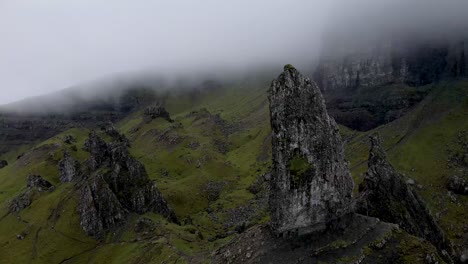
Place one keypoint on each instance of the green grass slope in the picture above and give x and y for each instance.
(204, 163)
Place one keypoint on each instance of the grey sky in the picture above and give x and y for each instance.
(52, 44)
(47, 45)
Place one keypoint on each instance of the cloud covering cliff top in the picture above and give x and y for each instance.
(51, 45)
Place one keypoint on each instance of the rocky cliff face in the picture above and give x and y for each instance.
(412, 64)
(388, 197)
(311, 184)
(371, 86)
(114, 185)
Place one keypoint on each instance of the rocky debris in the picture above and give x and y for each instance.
(35, 186)
(144, 224)
(388, 197)
(367, 240)
(3, 164)
(36, 181)
(194, 145)
(116, 185)
(212, 190)
(154, 112)
(310, 184)
(69, 139)
(221, 146)
(215, 120)
(261, 184)
(69, 168)
(458, 185)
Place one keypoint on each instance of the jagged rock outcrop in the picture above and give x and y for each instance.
(154, 112)
(98, 150)
(69, 168)
(115, 185)
(458, 185)
(3, 164)
(388, 197)
(35, 186)
(110, 130)
(310, 181)
(99, 208)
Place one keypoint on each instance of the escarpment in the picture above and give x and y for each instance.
(310, 184)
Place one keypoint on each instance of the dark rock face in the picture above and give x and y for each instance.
(412, 64)
(458, 185)
(99, 207)
(3, 164)
(97, 148)
(388, 197)
(36, 185)
(310, 181)
(349, 80)
(155, 112)
(69, 168)
(116, 185)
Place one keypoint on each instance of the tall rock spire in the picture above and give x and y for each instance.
(388, 197)
(311, 184)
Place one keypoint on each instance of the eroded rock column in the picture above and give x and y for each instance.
(311, 184)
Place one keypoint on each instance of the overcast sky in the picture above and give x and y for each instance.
(47, 45)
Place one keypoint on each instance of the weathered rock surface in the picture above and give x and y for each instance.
(35, 186)
(388, 197)
(154, 112)
(69, 168)
(310, 181)
(99, 208)
(380, 64)
(349, 78)
(366, 240)
(458, 185)
(3, 164)
(115, 185)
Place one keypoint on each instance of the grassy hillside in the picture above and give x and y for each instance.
(205, 164)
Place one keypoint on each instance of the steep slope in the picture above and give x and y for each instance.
(211, 164)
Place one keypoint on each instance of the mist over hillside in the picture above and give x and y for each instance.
(55, 45)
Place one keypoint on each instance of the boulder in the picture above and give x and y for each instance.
(458, 185)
